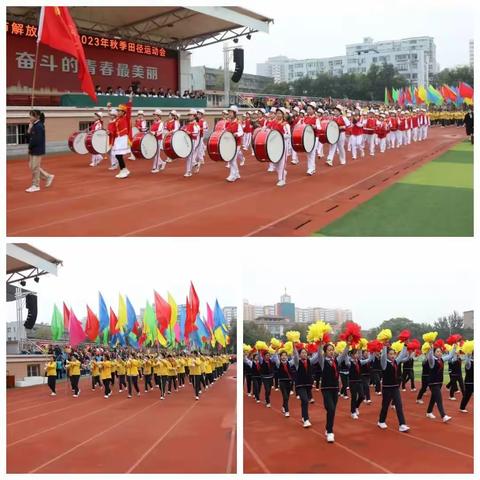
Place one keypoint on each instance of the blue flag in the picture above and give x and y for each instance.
(103, 317)
(131, 316)
(182, 316)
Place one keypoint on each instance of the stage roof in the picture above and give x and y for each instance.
(171, 27)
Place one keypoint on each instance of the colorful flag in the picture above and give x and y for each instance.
(173, 317)
(92, 326)
(76, 333)
(163, 312)
(104, 319)
(386, 96)
(182, 315)
(132, 340)
(122, 314)
(193, 305)
(434, 96)
(113, 323)
(218, 325)
(149, 324)
(131, 316)
(448, 93)
(394, 94)
(57, 326)
(408, 95)
(203, 330)
(57, 29)
(465, 90)
(66, 316)
(422, 94)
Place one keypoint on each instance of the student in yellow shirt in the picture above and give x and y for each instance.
(147, 373)
(194, 364)
(95, 371)
(163, 366)
(181, 372)
(114, 370)
(106, 374)
(73, 369)
(156, 371)
(133, 365)
(51, 372)
(172, 374)
(208, 371)
(122, 384)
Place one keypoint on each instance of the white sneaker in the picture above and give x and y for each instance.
(258, 401)
(231, 178)
(276, 389)
(330, 438)
(452, 398)
(75, 396)
(463, 411)
(124, 173)
(420, 401)
(306, 423)
(329, 163)
(188, 174)
(54, 395)
(357, 411)
(404, 389)
(354, 416)
(162, 398)
(113, 167)
(446, 418)
(271, 168)
(268, 405)
(403, 428)
(378, 393)
(310, 172)
(197, 398)
(413, 389)
(368, 401)
(382, 425)
(430, 415)
(92, 164)
(287, 414)
(49, 180)
(298, 397)
(312, 400)
(249, 394)
(154, 170)
(106, 396)
(294, 162)
(32, 189)
(281, 183)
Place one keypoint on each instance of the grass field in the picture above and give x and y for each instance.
(435, 200)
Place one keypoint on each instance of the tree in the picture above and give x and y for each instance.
(299, 327)
(253, 332)
(446, 326)
(453, 76)
(232, 333)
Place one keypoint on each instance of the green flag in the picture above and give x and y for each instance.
(105, 336)
(57, 324)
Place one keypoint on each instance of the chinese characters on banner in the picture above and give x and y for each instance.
(118, 64)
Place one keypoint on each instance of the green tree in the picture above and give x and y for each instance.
(452, 76)
(232, 333)
(253, 332)
(446, 326)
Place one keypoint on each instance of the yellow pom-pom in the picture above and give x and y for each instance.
(397, 346)
(362, 344)
(293, 336)
(271, 350)
(340, 346)
(448, 347)
(467, 347)
(317, 330)
(430, 337)
(384, 335)
(287, 348)
(425, 348)
(275, 343)
(247, 348)
(261, 345)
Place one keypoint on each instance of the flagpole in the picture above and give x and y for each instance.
(35, 75)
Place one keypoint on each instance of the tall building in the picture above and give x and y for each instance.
(468, 319)
(230, 314)
(470, 51)
(415, 58)
(285, 308)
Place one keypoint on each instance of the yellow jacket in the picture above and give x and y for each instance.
(147, 366)
(132, 367)
(120, 367)
(51, 369)
(172, 368)
(94, 368)
(73, 367)
(106, 369)
(181, 365)
(194, 365)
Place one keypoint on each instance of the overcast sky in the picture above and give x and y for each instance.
(378, 279)
(308, 29)
(134, 267)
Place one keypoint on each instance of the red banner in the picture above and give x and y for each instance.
(111, 65)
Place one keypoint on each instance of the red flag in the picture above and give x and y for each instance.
(389, 96)
(57, 29)
(66, 316)
(92, 326)
(408, 95)
(163, 312)
(193, 307)
(448, 93)
(418, 100)
(465, 90)
(113, 322)
(76, 333)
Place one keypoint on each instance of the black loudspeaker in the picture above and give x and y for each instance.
(238, 60)
(31, 304)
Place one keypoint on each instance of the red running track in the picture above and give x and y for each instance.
(275, 444)
(90, 434)
(85, 201)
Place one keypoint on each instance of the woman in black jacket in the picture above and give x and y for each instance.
(36, 150)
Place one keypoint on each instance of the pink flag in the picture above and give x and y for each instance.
(176, 329)
(77, 335)
(209, 317)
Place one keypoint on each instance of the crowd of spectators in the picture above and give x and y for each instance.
(140, 91)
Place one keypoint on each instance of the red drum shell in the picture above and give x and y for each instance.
(89, 143)
(213, 146)
(323, 131)
(71, 143)
(260, 145)
(137, 145)
(298, 134)
(168, 146)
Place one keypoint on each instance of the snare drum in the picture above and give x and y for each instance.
(222, 146)
(177, 144)
(269, 146)
(303, 138)
(76, 143)
(144, 145)
(329, 132)
(96, 142)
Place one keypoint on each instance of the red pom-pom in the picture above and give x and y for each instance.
(418, 352)
(439, 344)
(413, 345)
(404, 335)
(299, 346)
(312, 348)
(374, 346)
(352, 333)
(326, 338)
(453, 339)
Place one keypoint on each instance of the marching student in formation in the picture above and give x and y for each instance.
(296, 119)
(121, 372)
(376, 373)
(357, 395)
(369, 128)
(311, 119)
(393, 131)
(203, 125)
(141, 126)
(194, 365)
(366, 372)
(282, 126)
(456, 379)
(266, 372)
(425, 380)
(247, 373)
(233, 126)
(342, 123)
(320, 116)
(304, 379)
(247, 131)
(147, 374)
(73, 370)
(132, 366)
(51, 373)
(106, 374)
(408, 373)
(111, 137)
(156, 128)
(468, 383)
(284, 379)
(382, 132)
(96, 125)
(171, 125)
(172, 374)
(436, 360)
(254, 364)
(356, 137)
(330, 387)
(95, 372)
(193, 130)
(391, 386)
(122, 136)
